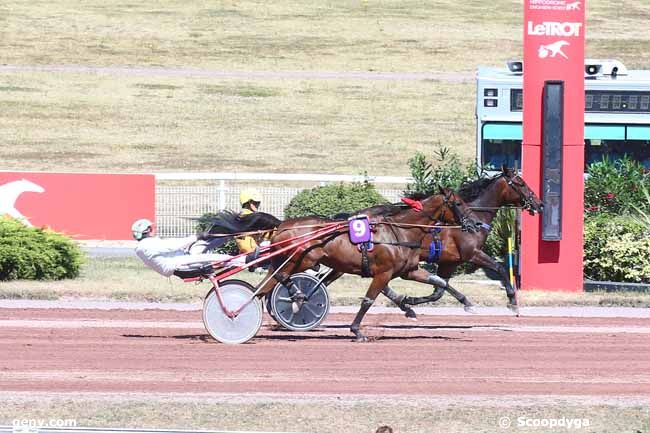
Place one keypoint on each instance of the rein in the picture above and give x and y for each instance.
(407, 225)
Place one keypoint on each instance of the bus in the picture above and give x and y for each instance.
(617, 114)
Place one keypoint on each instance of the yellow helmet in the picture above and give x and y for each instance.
(249, 194)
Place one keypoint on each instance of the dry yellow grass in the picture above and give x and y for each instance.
(331, 414)
(97, 122)
(108, 122)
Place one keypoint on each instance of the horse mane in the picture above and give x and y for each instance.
(229, 222)
(470, 191)
(377, 210)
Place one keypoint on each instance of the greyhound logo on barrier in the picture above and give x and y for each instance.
(9, 193)
(575, 6)
(552, 49)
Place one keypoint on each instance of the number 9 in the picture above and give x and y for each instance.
(359, 227)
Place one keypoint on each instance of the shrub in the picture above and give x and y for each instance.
(496, 244)
(615, 186)
(329, 200)
(448, 172)
(36, 253)
(616, 248)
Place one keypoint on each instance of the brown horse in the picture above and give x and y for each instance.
(485, 197)
(397, 237)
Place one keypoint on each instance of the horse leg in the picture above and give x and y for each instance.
(441, 284)
(483, 260)
(422, 276)
(445, 271)
(399, 301)
(378, 282)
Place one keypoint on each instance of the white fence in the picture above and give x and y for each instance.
(182, 198)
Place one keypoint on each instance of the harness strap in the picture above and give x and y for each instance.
(485, 226)
(435, 251)
(412, 245)
(365, 261)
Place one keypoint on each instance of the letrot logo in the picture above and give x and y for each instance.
(9, 193)
(552, 49)
(551, 28)
(574, 6)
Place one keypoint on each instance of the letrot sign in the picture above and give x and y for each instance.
(553, 143)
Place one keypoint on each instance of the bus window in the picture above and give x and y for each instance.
(498, 152)
(501, 144)
(596, 150)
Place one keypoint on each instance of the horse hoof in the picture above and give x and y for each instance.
(514, 309)
(361, 339)
(470, 309)
(410, 314)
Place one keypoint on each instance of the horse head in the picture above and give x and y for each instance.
(461, 211)
(448, 207)
(516, 191)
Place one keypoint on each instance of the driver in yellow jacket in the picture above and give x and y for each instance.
(250, 200)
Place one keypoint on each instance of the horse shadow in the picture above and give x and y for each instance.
(282, 334)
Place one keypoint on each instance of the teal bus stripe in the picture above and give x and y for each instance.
(503, 131)
(513, 131)
(605, 132)
(638, 132)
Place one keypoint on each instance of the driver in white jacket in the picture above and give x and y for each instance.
(167, 255)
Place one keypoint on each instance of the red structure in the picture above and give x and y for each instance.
(553, 143)
(82, 205)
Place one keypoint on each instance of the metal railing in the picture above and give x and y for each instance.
(182, 198)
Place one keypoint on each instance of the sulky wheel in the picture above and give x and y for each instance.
(313, 310)
(240, 329)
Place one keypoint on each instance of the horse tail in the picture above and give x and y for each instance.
(228, 222)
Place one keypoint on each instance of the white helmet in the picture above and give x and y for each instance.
(141, 229)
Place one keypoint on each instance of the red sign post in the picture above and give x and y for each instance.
(553, 70)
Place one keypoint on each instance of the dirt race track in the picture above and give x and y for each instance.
(169, 351)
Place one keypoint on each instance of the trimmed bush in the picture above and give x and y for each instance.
(327, 201)
(36, 253)
(616, 248)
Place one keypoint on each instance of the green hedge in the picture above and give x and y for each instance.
(36, 254)
(329, 200)
(616, 248)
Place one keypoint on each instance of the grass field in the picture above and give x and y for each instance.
(127, 279)
(334, 414)
(88, 121)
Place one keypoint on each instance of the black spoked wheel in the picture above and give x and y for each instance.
(310, 314)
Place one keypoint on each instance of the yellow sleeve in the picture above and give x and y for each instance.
(246, 244)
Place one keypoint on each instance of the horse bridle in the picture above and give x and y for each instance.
(527, 201)
(466, 223)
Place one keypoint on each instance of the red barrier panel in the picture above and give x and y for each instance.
(84, 206)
